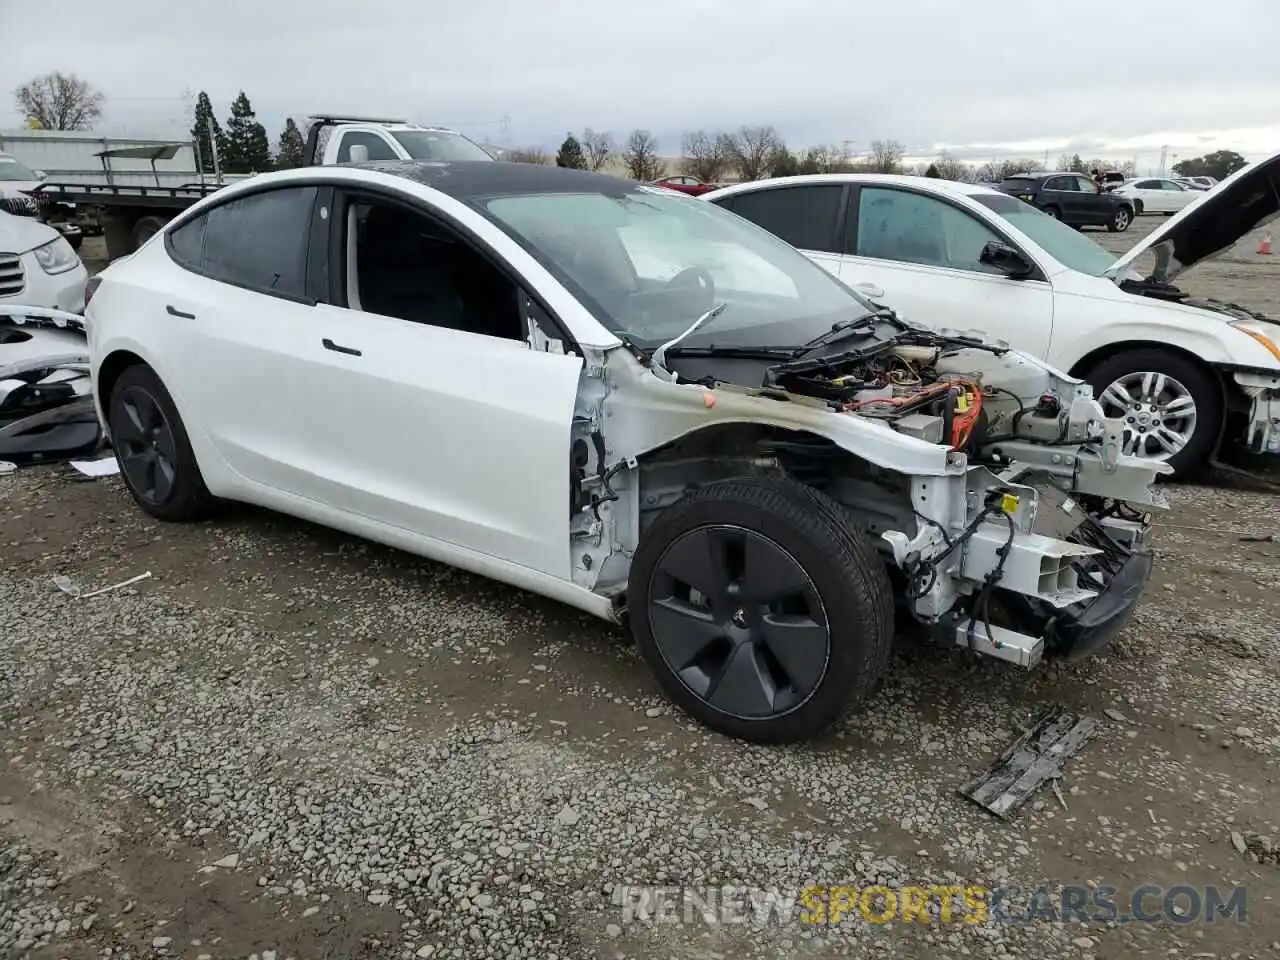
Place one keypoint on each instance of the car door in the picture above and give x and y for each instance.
(238, 321)
(807, 216)
(1175, 195)
(923, 251)
(426, 405)
(1152, 197)
(1094, 206)
(1062, 195)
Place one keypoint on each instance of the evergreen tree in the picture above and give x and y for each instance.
(248, 150)
(291, 146)
(204, 118)
(571, 154)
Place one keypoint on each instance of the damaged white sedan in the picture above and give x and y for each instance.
(629, 401)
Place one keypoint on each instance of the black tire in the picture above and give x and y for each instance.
(146, 228)
(164, 480)
(840, 586)
(1200, 382)
(1053, 212)
(1120, 220)
(1138, 208)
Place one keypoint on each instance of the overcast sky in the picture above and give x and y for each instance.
(985, 77)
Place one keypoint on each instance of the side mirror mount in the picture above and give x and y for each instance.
(1008, 260)
(359, 153)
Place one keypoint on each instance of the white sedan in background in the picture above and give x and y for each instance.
(1186, 374)
(1157, 194)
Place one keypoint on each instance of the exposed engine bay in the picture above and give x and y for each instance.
(1009, 513)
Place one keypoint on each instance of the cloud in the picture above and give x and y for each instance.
(1091, 76)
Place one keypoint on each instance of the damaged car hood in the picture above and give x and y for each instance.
(1211, 224)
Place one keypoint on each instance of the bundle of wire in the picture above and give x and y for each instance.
(968, 405)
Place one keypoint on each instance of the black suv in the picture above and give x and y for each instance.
(1072, 198)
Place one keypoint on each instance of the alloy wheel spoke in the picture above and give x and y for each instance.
(682, 631)
(769, 574)
(1117, 396)
(800, 646)
(1168, 440)
(699, 560)
(743, 686)
(1180, 406)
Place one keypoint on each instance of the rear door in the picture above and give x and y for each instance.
(807, 216)
(1063, 194)
(923, 251)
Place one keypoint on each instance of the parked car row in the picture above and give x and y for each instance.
(1186, 374)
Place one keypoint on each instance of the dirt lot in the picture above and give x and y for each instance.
(289, 743)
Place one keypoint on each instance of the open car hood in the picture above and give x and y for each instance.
(1210, 224)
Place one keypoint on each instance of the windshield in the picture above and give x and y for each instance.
(11, 169)
(1065, 244)
(439, 145)
(648, 263)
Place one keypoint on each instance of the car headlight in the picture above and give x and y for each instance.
(56, 256)
(1258, 335)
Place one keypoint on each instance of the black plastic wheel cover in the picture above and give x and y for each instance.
(739, 621)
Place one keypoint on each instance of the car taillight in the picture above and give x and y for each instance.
(90, 286)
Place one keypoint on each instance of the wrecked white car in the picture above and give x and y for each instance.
(629, 401)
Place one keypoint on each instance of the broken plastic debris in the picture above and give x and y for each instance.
(73, 589)
(104, 467)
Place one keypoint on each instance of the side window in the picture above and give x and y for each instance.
(404, 264)
(1085, 185)
(186, 244)
(378, 148)
(258, 242)
(1061, 183)
(914, 228)
(1170, 185)
(805, 217)
(1148, 185)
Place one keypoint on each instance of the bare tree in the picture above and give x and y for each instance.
(826, 158)
(641, 156)
(59, 101)
(950, 168)
(706, 156)
(886, 156)
(528, 155)
(996, 170)
(598, 147)
(753, 149)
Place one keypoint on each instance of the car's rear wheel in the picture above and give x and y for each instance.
(1053, 212)
(1172, 406)
(763, 613)
(156, 460)
(1120, 220)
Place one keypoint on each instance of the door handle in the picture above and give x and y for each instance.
(338, 348)
(175, 312)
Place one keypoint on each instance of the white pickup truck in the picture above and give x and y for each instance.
(131, 215)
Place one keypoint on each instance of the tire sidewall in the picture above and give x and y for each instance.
(188, 497)
(1204, 388)
(847, 620)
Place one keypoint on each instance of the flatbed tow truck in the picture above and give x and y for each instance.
(131, 215)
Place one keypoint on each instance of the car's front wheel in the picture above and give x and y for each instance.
(763, 613)
(156, 460)
(1053, 212)
(1172, 406)
(1120, 220)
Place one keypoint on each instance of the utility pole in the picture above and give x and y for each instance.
(1164, 155)
(506, 129)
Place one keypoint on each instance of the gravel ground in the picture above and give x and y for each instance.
(286, 743)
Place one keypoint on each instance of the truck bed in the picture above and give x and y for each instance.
(110, 195)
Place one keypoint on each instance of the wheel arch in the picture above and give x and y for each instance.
(109, 371)
(1091, 359)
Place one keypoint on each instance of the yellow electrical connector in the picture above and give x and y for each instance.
(962, 403)
(1009, 502)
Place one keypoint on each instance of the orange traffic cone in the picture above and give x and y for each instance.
(1264, 247)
